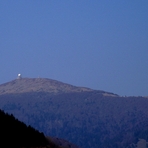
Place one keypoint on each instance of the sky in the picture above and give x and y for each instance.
(100, 44)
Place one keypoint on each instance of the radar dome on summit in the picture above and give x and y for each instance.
(19, 76)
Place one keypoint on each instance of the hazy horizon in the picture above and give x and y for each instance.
(102, 45)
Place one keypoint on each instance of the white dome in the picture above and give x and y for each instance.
(19, 75)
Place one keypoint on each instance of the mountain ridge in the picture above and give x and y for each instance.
(38, 85)
(23, 85)
(86, 117)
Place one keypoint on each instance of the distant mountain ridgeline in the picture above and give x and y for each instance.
(88, 118)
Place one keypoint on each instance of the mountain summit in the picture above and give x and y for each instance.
(39, 85)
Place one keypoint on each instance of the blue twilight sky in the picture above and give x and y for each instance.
(101, 44)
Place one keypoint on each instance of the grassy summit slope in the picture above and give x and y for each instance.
(38, 85)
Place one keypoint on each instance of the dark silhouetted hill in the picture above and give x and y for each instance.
(16, 134)
(89, 118)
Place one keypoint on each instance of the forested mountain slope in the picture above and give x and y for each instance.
(88, 118)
